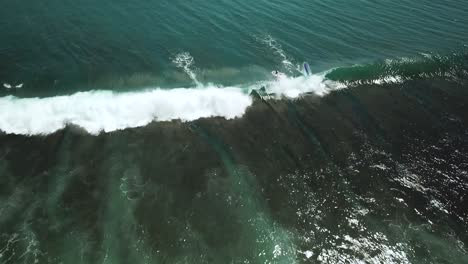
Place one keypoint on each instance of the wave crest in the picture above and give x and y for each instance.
(105, 111)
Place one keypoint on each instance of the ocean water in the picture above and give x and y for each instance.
(154, 131)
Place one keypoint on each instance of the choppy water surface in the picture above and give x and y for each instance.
(154, 132)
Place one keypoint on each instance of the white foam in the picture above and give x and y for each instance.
(372, 248)
(185, 62)
(106, 111)
(388, 79)
(308, 254)
(294, 87)
(379, 166)
(98, 111)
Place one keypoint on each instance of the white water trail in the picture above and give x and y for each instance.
(277, 49)
(185, 61)
(105, 111)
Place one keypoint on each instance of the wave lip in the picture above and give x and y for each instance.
(105, 111)
(450, 66)
(295, 87)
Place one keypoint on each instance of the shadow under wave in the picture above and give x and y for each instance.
(375, 173)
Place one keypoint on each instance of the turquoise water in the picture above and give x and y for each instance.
(154, 131)
(64, 46)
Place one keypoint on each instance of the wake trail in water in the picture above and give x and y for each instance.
(185, 62)
(277, 49)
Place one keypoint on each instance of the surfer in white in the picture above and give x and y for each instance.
(278, 74)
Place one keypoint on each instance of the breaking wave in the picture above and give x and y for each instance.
(106, 111)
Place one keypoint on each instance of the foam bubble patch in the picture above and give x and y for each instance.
(294, 87)
(105, 111)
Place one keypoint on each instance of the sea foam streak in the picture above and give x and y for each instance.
(275, 46)
(98, 111)
(185, 62)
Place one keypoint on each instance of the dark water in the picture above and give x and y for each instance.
(376, 173)
(153, 132)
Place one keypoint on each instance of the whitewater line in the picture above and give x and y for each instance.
(106, 111)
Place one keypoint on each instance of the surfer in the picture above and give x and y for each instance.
(277, 74)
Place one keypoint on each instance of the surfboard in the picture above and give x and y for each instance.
(307, 71)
